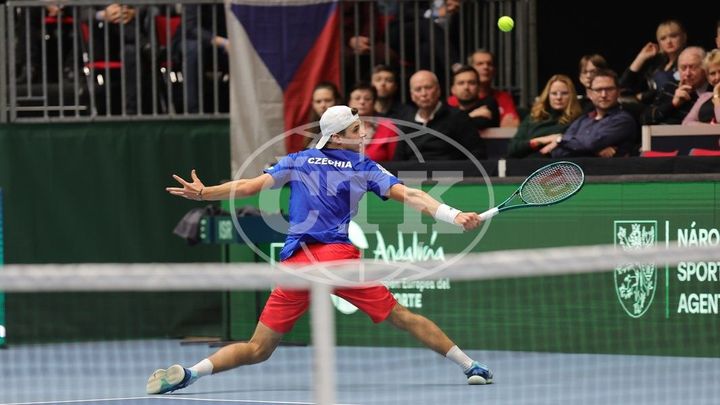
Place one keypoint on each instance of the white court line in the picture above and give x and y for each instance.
(75, 401)
(240, 401)
(170, 397)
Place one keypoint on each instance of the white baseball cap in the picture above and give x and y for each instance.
(335, 119)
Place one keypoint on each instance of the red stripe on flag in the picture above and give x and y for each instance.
(322, 63)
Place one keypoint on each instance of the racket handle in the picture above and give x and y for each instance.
(489, 213)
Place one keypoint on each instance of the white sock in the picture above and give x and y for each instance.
(460, 358)
(203, 368)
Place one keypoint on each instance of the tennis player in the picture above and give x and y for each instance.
(326, 184)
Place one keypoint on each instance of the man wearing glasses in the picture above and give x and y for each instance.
(607, 131)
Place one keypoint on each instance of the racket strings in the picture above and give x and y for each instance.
(552, 184)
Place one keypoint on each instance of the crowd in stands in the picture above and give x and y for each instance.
(668, 82)
(117, 36)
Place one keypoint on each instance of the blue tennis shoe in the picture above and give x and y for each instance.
(479, 374)
(174, 378)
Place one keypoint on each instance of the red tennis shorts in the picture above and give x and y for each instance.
(285, 306)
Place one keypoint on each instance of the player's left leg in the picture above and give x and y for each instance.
(429, 334)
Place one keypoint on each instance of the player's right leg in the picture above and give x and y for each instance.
(428, 333)
(262, 344)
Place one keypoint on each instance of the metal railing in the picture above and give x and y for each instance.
(411, 37)
(79, 61)
(90, 60)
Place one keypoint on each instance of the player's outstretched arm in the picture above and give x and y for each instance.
(424, 203)
(196, 190)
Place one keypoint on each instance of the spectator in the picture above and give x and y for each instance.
(360, 52)
(324, 96)
(484, 63)
(433, 114)
(385, 82)
(551, 115)
(484, 113)
(589, 65)
(717, 35)
(381, 138)
(707, 107)
(606, 132)
(430, 52)
(674, 101)
(199, 34)
(655, 64)
(120, 20)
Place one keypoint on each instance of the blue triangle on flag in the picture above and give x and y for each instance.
(283, 34)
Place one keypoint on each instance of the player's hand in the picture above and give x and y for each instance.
(468, 220)
(191, 191)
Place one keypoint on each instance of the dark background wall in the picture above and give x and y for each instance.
(616, 29)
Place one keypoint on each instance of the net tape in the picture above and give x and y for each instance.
(250, 276)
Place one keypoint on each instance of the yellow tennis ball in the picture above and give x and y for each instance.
(505, 23)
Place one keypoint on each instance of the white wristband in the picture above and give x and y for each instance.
(446, 213)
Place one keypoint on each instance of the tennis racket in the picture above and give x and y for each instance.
(548, 185)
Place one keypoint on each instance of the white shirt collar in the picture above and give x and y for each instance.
(422, 120)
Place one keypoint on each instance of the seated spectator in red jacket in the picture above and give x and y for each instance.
(675, 100)
(606, 132)
(385, 82)
(382, 135)
(484, 63)
(438, 117)
(707, 107)
(484, 112)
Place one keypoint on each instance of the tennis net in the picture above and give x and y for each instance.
(587, 325)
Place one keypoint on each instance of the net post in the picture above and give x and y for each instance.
(323, 340)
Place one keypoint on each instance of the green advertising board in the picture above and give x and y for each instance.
(636, 308)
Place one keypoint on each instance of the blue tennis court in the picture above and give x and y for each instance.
(115, 372)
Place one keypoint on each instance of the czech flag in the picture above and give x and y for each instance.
(279, 51)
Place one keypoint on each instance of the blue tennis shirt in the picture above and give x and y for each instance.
(325, 188)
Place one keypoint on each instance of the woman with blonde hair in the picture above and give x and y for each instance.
(656, 63)
(551, 114)
(706, 109)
